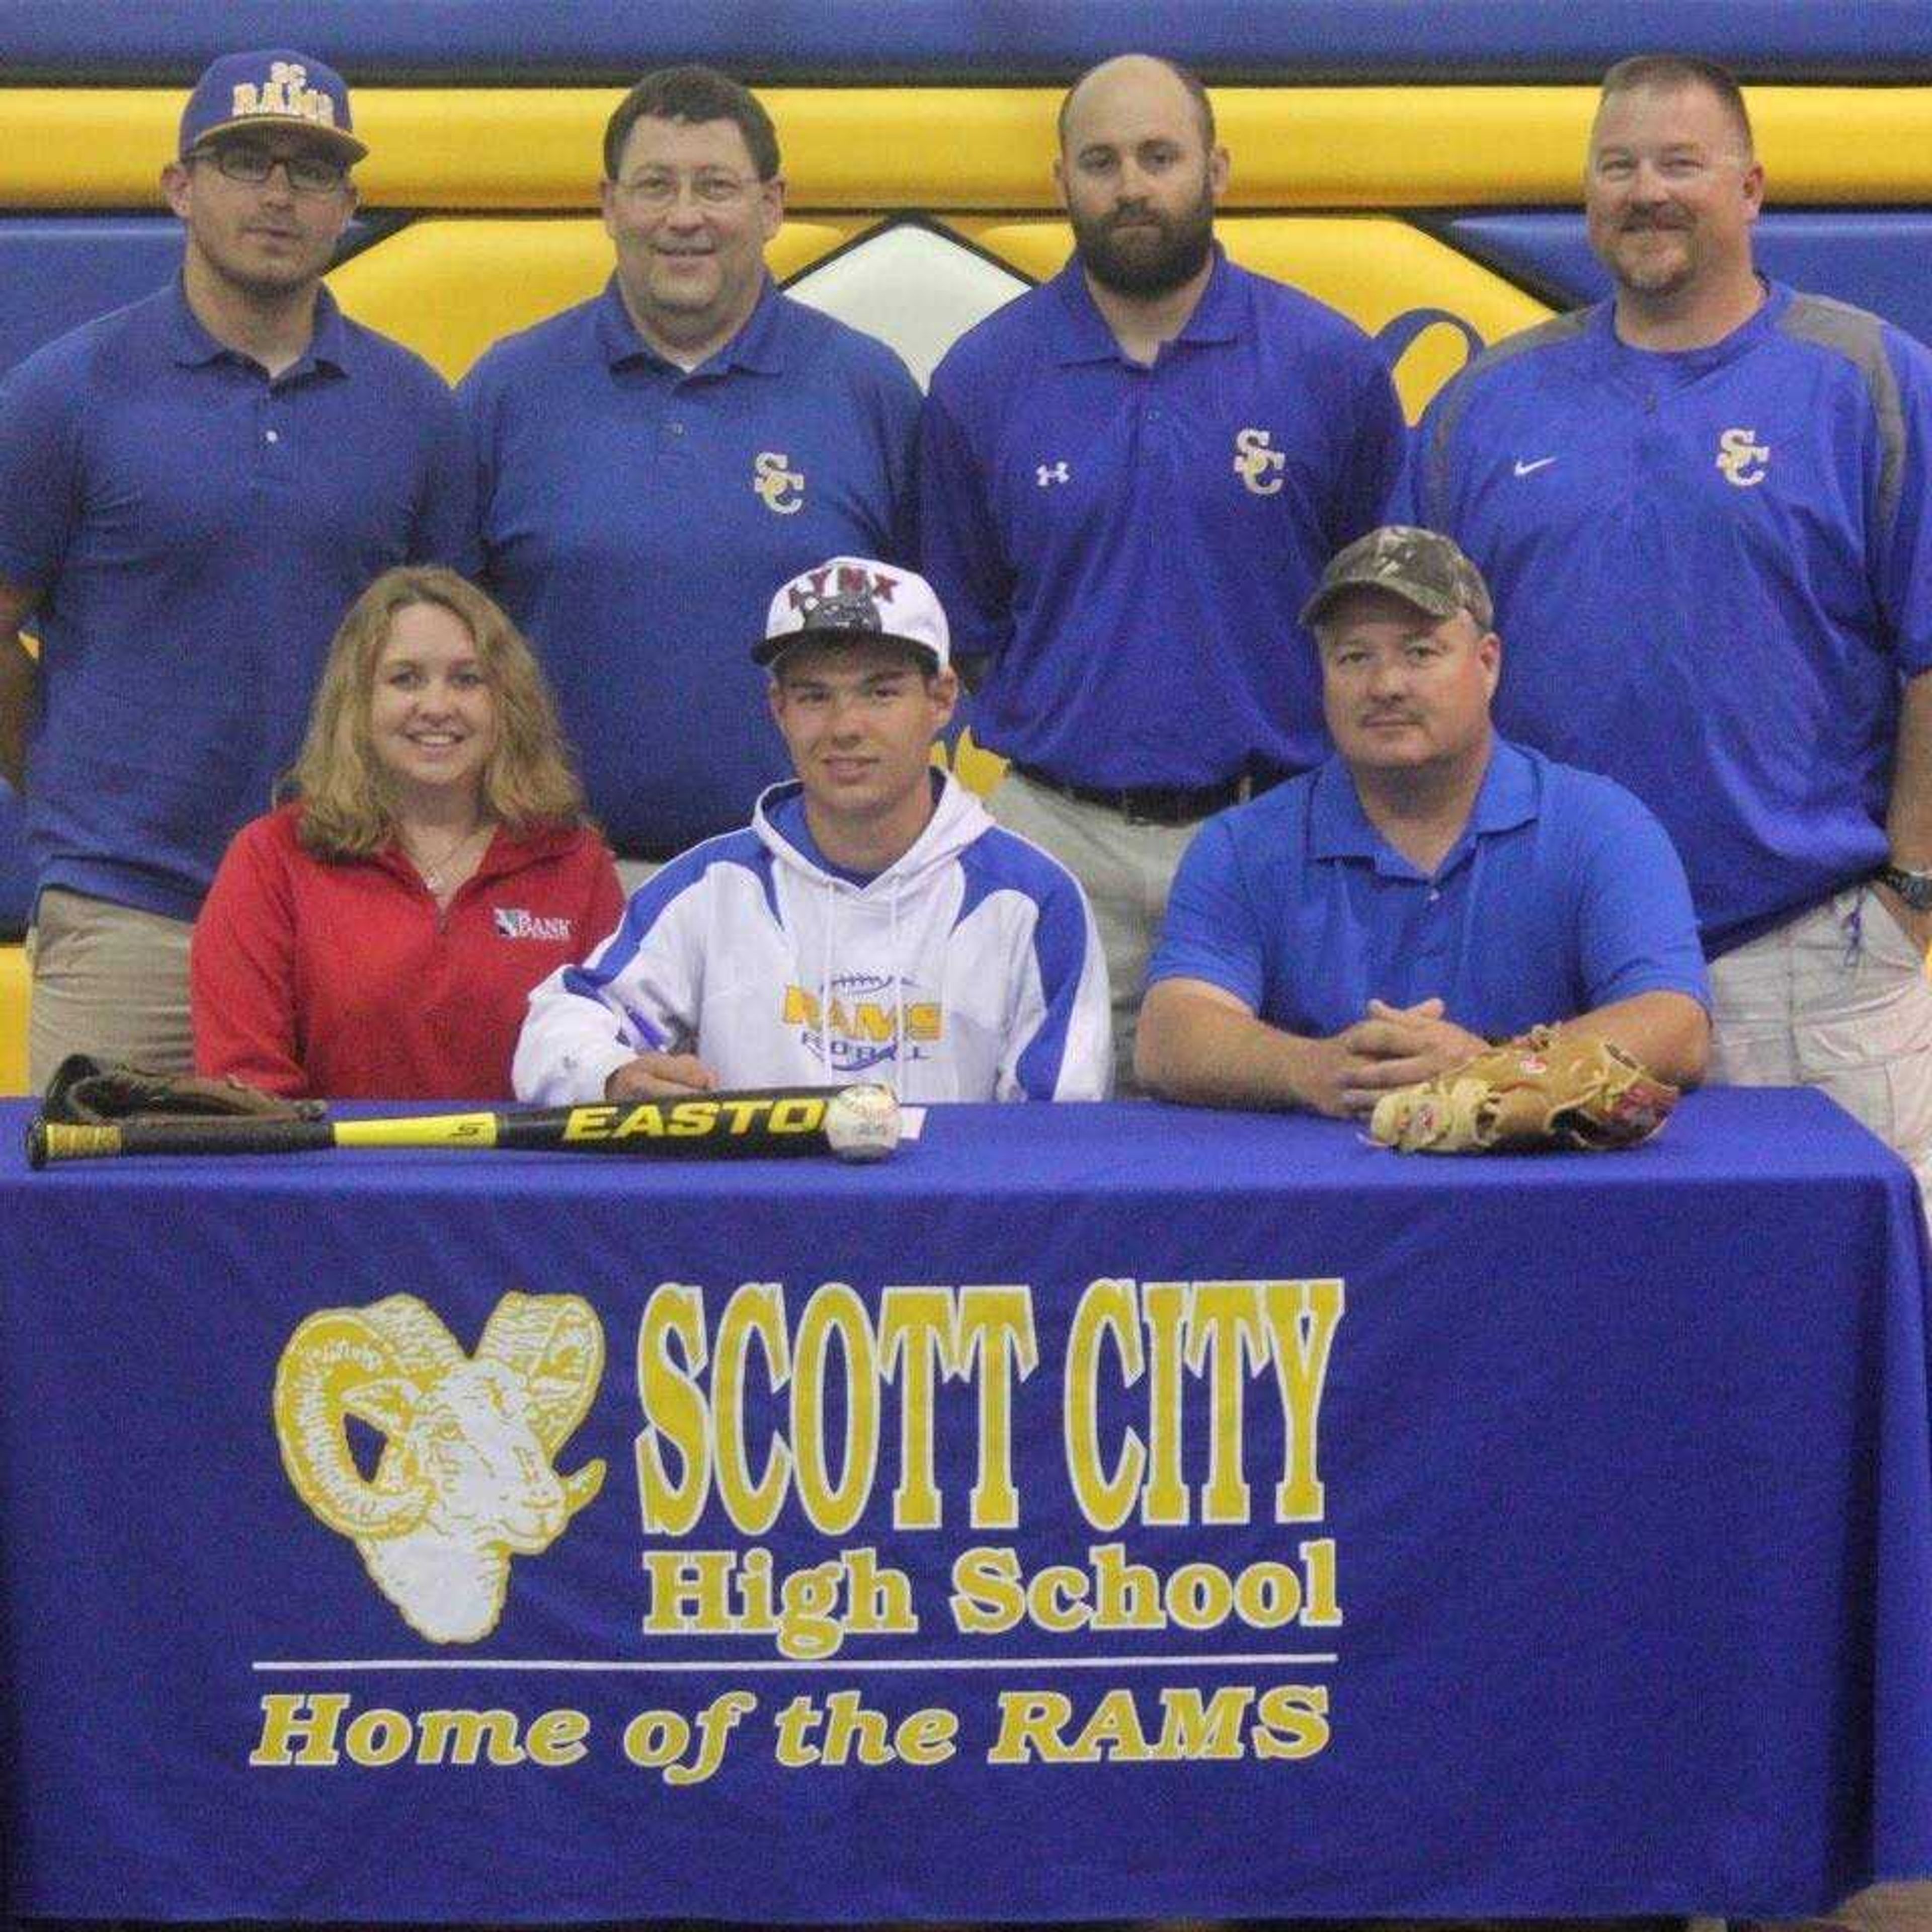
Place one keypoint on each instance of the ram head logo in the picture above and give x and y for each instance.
(464, 1480)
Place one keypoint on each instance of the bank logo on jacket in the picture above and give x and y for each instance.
(514, 922)
(856, 1026)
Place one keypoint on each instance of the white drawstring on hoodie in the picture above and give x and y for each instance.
(836, 890)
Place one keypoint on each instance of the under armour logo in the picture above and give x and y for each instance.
(1052, 472)
(1258, 467)
(1741, 457)
(783, 490)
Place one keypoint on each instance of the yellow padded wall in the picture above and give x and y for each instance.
(12, 1020)
(987, 148)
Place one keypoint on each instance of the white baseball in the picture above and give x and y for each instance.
(862, 1122)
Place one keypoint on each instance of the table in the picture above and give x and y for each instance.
(1196, 1514)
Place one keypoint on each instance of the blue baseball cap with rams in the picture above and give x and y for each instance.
(274, 87)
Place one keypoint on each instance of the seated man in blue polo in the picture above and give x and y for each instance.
(1430, 887)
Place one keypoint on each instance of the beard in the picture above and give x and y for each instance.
(1655, 257)
(1146, 254)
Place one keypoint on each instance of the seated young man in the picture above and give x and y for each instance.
(872, 923)
(1431, 887)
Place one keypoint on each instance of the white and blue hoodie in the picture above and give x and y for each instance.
(969, 970)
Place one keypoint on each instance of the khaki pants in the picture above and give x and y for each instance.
(1837, 999)
(1127, 871)
(632, 873)
(108, 980)
(1897, 1907)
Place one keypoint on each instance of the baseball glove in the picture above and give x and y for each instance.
(1546, 1089)
(87, 1091)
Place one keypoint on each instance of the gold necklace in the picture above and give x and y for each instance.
(431, 871)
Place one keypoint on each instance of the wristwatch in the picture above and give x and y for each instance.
(1912, 885)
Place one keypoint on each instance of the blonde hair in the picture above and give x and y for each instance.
(348, 802)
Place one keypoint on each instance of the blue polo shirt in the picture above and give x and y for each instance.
(196, 531)
(1712, 570)
(1127, 545)
(1562, 895)
(637, 520)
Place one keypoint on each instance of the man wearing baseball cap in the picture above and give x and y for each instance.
(1429, 887)
(192, 491)
(871, 923)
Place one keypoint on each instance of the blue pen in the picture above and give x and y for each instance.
(647, 1034)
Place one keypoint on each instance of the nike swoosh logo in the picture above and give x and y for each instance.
(1530, 468)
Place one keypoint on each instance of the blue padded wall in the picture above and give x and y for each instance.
(1877, 261)
(60, 271)
(852, 41)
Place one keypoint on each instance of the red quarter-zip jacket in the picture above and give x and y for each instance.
(342, 978)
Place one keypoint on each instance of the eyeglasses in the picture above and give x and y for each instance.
(309, 171)
(712, 187)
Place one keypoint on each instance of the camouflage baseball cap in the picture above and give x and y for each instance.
(1421, 567)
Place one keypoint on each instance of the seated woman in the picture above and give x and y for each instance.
(377, 936)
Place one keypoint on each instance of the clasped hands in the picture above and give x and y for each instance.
(1388, 1047)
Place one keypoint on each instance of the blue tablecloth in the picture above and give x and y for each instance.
(1540, 1536)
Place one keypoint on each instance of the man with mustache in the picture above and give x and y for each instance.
(652, 457)
(1129, 479)
(1378, 920)
(1702, 507)
(192, 490)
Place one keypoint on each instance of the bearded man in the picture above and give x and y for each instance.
(1130, 479)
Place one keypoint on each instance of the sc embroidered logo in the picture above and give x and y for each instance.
(782, 489)
(1046, 474)
(1257, 465)
(1742, 458)
(464, 1480)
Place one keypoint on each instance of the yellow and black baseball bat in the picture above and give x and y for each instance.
(856, 1123)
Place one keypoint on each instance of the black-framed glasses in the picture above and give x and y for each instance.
(310, 171)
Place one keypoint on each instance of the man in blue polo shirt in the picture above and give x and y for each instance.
(192, 492)
(1129, 480)
(1429, 887)
(1703, 506)
(654, 460)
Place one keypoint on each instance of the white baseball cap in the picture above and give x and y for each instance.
(856, 600)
